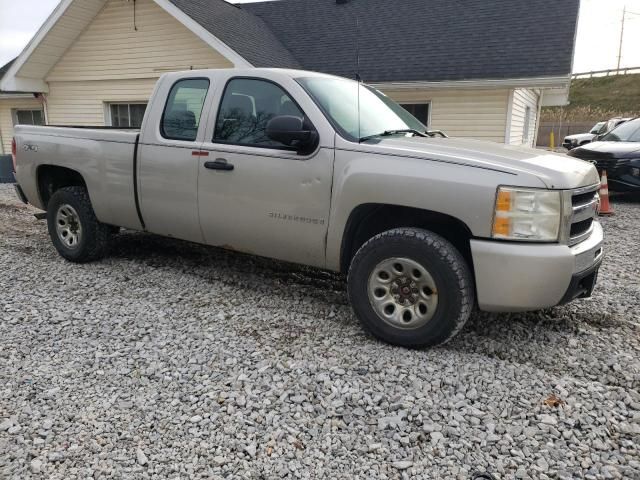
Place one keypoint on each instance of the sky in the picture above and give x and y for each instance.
(597, 40)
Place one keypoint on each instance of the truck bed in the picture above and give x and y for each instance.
(105, 157)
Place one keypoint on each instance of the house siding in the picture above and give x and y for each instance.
(523, 98)
(112, 62)
(6, 119)
(84, 103)
(467, 113)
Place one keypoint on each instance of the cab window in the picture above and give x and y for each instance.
(181, 117)
(246, 107)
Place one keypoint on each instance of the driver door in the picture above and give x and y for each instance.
(254, 194)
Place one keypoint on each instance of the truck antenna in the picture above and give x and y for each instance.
(358, 77)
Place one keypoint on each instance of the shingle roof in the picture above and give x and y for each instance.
(427, 40)
(242, 31)
(4, 68)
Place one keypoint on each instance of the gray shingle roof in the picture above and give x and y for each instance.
(3, 70)
(242, 31)
(428, 40)
(5, 67)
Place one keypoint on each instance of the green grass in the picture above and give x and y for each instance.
(621, 92)
(599, 98)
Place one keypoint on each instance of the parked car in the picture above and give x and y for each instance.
(619, 154)
(577, 139)
(598, 131)
(610, 126)
(323, 171)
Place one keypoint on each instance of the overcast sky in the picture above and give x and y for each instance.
(596, 44)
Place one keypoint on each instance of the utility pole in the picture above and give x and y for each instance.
(624, 14)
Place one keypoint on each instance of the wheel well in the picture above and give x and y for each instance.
(368, 220)
(52, 178)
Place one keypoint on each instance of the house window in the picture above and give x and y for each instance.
(527, 120)
(419, 110)
(28, 117)
(126, 114)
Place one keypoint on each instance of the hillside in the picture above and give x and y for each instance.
(592, 99)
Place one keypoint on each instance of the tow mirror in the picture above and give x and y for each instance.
(293, 132)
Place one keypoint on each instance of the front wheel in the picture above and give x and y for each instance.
(73, 227)
(411, 287)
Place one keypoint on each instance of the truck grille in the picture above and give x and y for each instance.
(584, 204)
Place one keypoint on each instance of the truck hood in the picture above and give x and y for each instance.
(598, 150)
(554, 170)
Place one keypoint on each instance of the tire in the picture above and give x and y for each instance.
(86, 239)
(435, 287)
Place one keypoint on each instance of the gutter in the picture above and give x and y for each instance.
(531, 82)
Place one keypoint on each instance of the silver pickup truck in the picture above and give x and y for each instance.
(323, 171)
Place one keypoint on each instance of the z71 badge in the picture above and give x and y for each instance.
(30, 148)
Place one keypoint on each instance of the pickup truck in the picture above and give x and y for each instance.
(597, 132)
(327, 172)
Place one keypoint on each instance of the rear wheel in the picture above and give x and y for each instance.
(411, 287)
(73, 227)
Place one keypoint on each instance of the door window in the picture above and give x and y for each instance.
(181, 117)
(247, 106)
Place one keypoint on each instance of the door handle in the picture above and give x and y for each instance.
(219, 164)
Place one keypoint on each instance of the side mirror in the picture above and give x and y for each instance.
(293, 132)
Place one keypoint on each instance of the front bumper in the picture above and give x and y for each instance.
(512, 277)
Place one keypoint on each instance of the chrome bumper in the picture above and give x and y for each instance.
(514, 277)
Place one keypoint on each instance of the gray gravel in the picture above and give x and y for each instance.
(171, 360)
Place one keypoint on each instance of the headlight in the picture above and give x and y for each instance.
(527, 214)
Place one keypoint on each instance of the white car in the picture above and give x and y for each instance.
(599, 130)
(578, 139)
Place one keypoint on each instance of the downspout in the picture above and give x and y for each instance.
(535, 140)
(507, 128)
(43, 101)
(1, 144)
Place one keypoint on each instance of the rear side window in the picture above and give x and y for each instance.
(181, 117)
(246, 107)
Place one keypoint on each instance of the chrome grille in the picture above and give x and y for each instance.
(584, 207)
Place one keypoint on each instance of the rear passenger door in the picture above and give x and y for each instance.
(255, 194)
(168, 159)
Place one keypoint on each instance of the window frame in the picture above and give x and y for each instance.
(109, 117)
(283, 148)
(418, 102)
(14, 115)
(166, 103)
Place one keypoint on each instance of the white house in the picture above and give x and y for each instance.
(473, 69)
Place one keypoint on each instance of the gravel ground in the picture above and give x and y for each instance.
(172, 360)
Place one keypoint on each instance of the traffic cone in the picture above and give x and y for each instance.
(605, 206)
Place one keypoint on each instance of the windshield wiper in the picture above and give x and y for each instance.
(386, 133)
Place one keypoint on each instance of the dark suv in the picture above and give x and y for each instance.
(618, 152)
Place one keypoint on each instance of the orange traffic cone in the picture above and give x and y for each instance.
(605, 206)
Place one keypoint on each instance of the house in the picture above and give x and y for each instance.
(473, 69)
(17, 107)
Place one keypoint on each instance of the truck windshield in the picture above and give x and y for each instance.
(627, 132)
(597, 127)
(379, 115)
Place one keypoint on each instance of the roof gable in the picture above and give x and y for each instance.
(427, 40)
(113, 47)
(66, 23)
